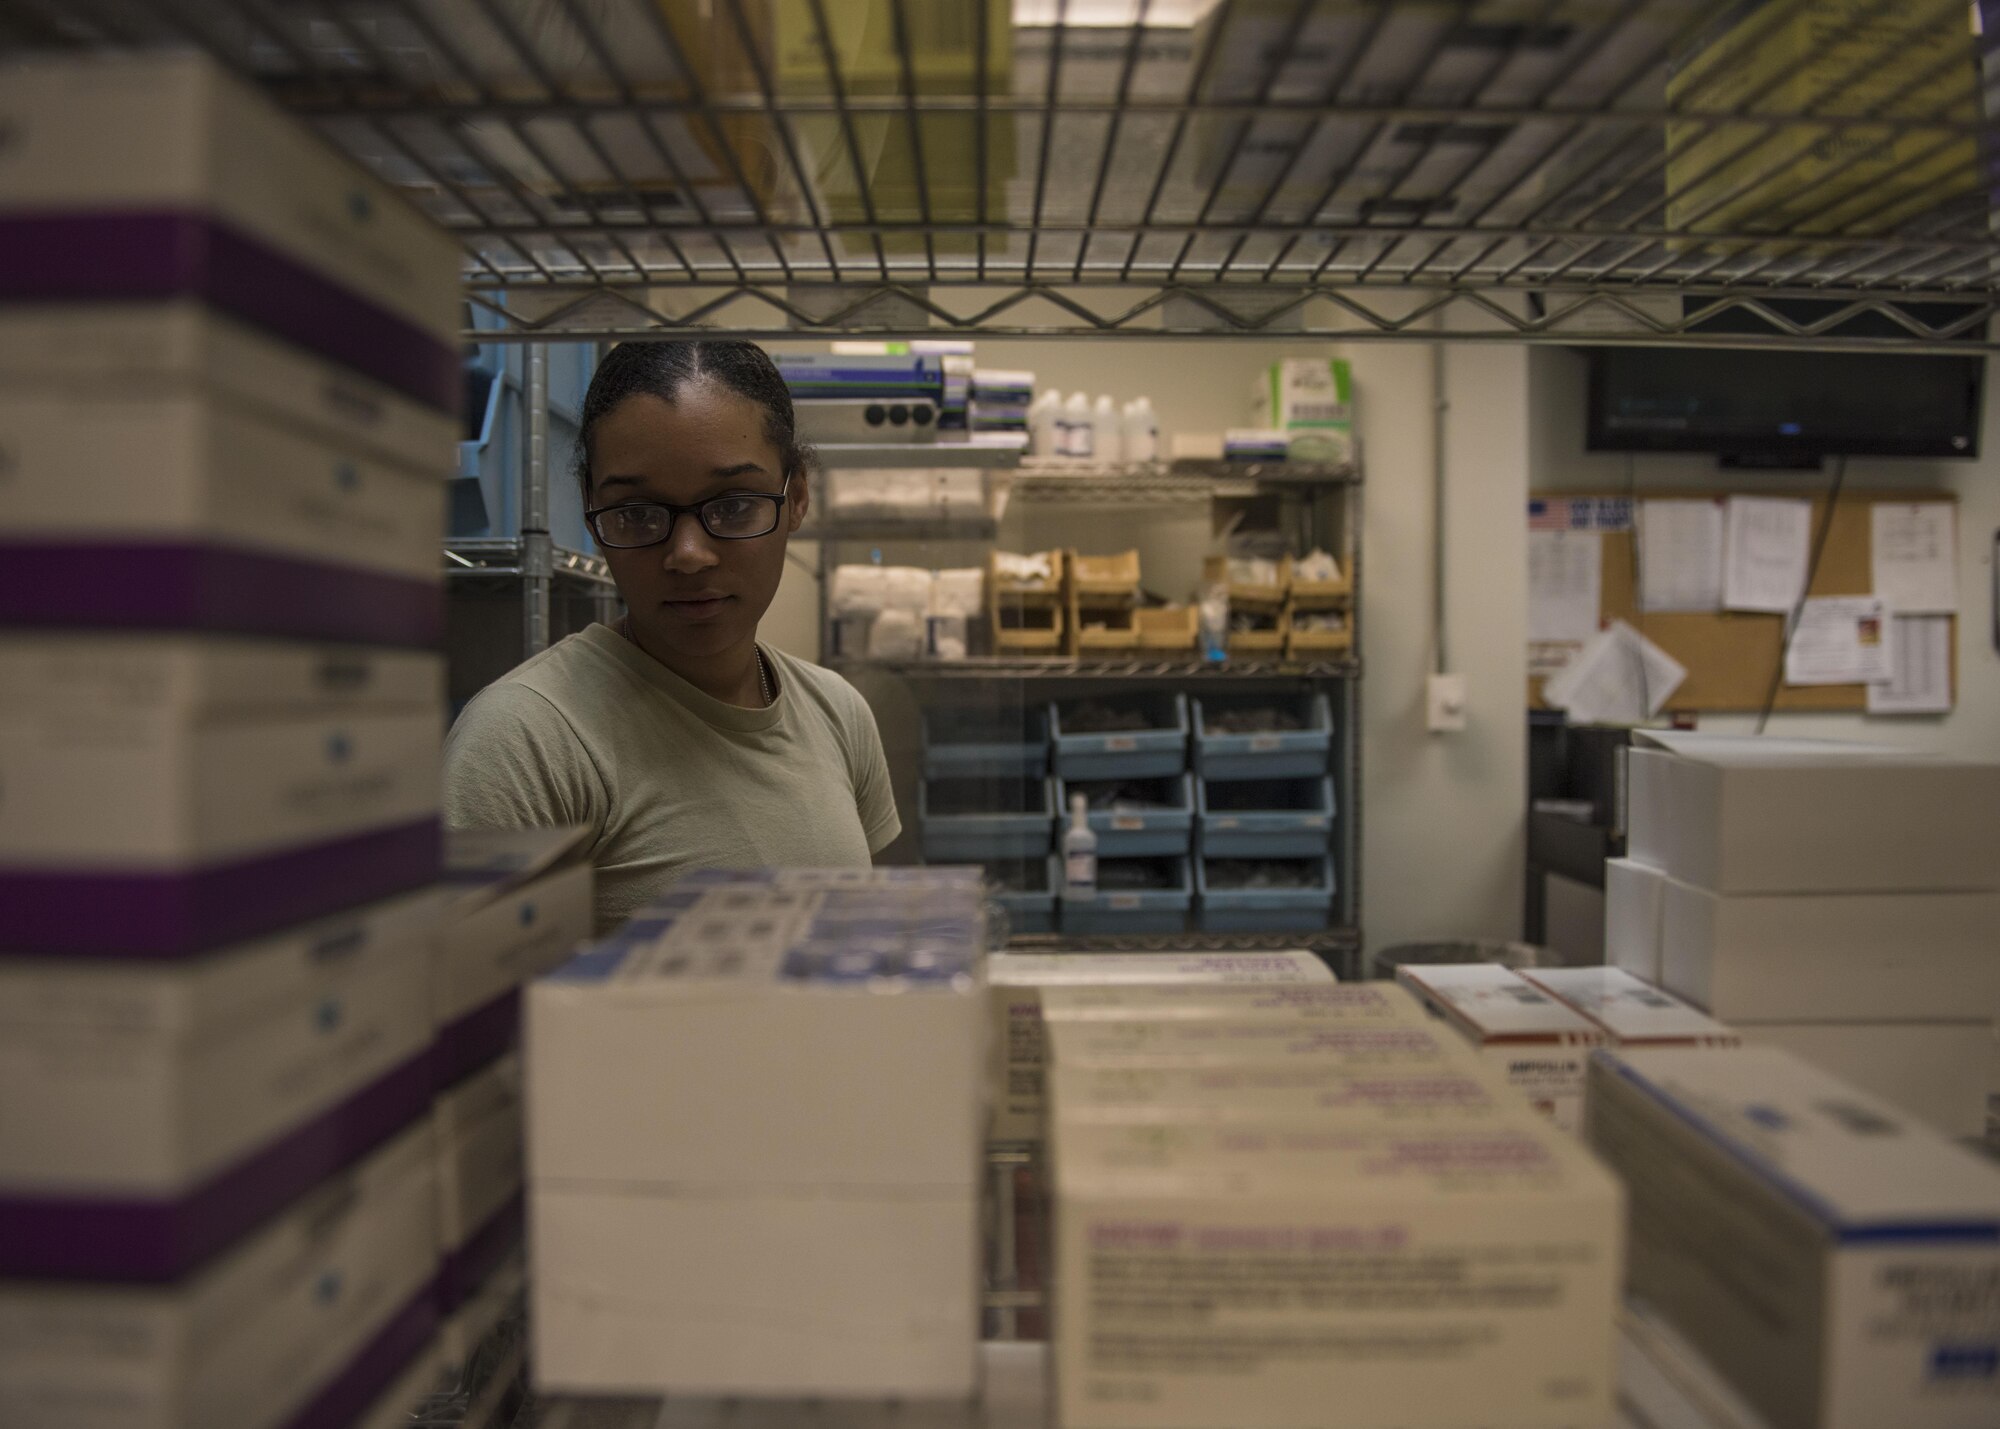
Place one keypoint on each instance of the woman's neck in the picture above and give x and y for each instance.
(731, 676)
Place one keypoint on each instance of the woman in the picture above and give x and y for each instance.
(676, 738)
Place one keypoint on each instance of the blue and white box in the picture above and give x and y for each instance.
(1833, 1258)
(755, 1130)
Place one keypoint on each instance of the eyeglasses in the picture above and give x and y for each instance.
(737, 516)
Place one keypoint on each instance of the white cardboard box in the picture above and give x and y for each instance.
(1832, 956)
(479, 1136)
(176, 132)
(1634, 914)
(522, 908)
(1541, 1044)
(1831, 1257)
(117, 464)
(142, 1079)
(1308, 1002)
(182, 348)
(1456, 1088)
(1938, 1072)
(1391, 1041)
(248, 1339)
(1632, 1012)
(1017, 980)
(210, 749)
(1256, 1276)
(1743, 815)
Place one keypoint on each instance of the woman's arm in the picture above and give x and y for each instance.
(513, 761)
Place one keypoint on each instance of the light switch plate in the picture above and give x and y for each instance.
(1444, 705)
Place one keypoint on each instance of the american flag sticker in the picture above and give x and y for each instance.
(1580, 513)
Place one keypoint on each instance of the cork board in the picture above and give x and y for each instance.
(1730, 655)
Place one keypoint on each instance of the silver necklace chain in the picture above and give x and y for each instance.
(624, 628)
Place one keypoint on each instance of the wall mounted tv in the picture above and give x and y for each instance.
(1783, 407)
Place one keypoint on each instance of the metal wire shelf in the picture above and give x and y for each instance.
(1684, 170)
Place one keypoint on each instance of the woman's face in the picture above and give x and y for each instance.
(693, 596)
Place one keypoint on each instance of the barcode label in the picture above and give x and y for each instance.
(1317, 412)
(1127, 823)
(1123, 902)
(1266, 743)
(1120, 744)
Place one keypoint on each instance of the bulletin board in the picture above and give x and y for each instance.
(1731, 656)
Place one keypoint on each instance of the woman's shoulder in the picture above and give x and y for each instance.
(820, 686)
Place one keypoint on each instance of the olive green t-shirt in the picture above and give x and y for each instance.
(594, 731)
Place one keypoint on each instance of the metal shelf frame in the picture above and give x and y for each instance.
(621, 168)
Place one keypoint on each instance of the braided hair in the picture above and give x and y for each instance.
(661, 369)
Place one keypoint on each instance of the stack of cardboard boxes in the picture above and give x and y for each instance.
(227, 376)
(755, 1128)
(1272, 1200)
(1838, 901)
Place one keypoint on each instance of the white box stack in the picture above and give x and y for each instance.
(1837, 900)
(1831, 1256)
(228, 384)
(1539, 1043)
(756, 1124)
(1319, 1196)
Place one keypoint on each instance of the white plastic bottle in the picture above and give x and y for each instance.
(1045, 423)
(1142, 431)
(1079, 846)
(1106, 434)
(1076, 427)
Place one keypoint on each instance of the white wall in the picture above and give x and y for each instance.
(1557, 382)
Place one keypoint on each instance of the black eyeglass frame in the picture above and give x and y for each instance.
(674, 514)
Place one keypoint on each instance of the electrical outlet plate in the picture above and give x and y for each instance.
(1444, 704)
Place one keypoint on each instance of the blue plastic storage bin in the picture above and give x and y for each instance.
(974, 743)
(1158, 748)
(1136, 910)
(1265, 910)
(1258, 818)
(1275, 754)
(1165, 829)
(985, 820)
(1031, 909)
(486, 497)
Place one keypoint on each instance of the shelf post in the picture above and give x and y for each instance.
(537, 560)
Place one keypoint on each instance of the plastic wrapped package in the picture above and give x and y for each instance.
(857, 590)
(897, 634)
(906, 588)
(1316, 566)
(858, 495)
(1022, 570)
(959, 592)
(947, 637)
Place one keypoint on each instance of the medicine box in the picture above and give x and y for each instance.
(1456, 1088)
(1832, 956)
(1541, 1044)
(1831, 1257)
(185, 349)
(1634, 916)
(1632, 1013)
(815, 1230)
(1018, 979)
(520, 905)
(478, 1124)
(1742, 815)
(256, 784)
(1387, 1039)
(1256, 1275)
(258, 1334)
(1937, 1071)
(170, 156)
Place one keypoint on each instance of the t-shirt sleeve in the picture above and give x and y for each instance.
(513, 761)
(874, 797)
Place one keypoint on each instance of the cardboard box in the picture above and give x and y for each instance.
(522, 906)
(1395, 1040)
(107, 138)
(479, 1150)
(182, 349)
(94, 466)
(1631, 1012)
(1541, 1044)
(256, 1335)
(1833, 956)
(1634, 917)
(1832, 1258)
(122, 1079)
(1736, 814)
(1939, 1072)
(500, 1296)
(1456, 1088)
(1256, 1275)
(1017, 980)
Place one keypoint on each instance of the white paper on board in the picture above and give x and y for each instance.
(1565, 585)
(1920, 654)
(1765, 553)
(1840, 640)
(1619, 677)
(1913, 548)
(1680, 555)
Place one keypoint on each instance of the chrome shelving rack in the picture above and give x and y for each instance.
(1523, 170)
